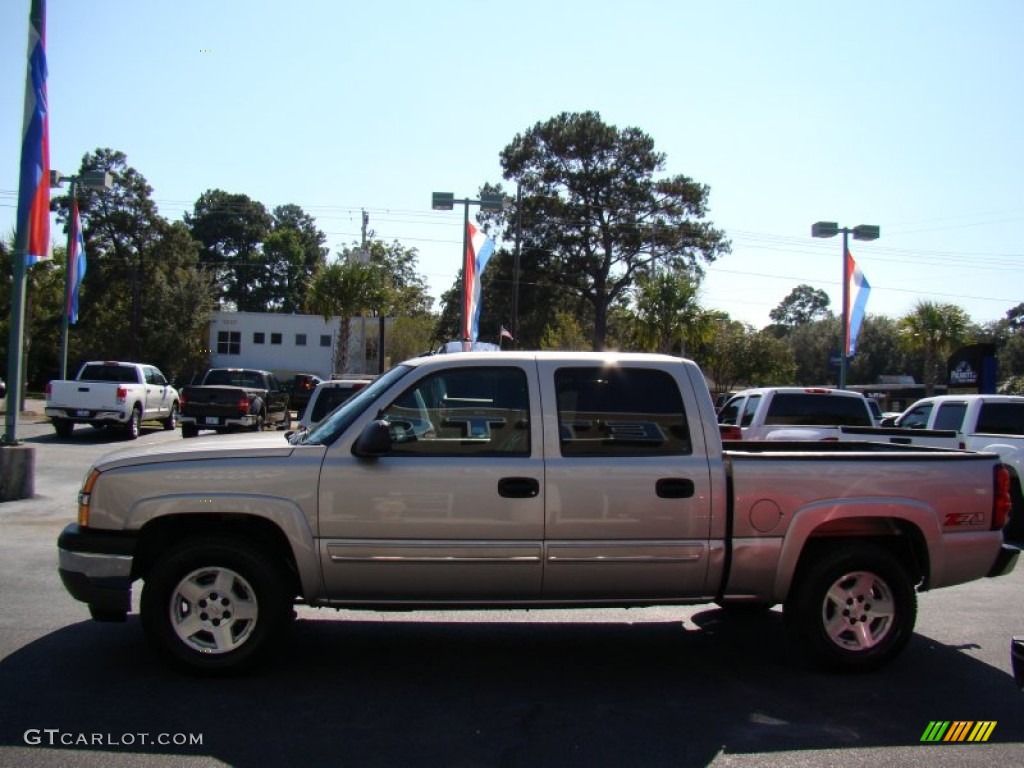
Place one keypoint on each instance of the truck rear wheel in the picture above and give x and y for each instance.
(188, 429)
(852, 608)
(134, 425)
(63, 427)
(172, 418)
(215, 606)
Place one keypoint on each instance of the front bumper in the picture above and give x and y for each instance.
(96, 567)
(1005, 561)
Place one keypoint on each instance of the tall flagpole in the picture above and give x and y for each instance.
(32, 233)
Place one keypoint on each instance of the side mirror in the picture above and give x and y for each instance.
(375, 440)
(888, 421)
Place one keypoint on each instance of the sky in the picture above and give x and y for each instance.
(906, 115)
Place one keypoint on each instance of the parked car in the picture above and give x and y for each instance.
(235, 398)
(108, 393)
(300, 388)
(794, 413)
(327, 396)
(530, 480)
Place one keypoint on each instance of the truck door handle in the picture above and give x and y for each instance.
(674, 488)
(900, 440)
(518, 487)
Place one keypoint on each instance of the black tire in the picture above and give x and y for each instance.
(134, 425)
(63, 427)
(189, 429)
(872, 625)
(215, 606)
(172, 418)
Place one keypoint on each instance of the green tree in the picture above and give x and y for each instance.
(565, 334)
(668, 317)
(591, 200)
(343, 289)
(294, 250)
(232, 228)
(803, 305)
(935, 331)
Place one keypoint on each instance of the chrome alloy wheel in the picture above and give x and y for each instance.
(213, 610)
(858, 611)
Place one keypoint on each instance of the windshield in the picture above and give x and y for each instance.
(327, 431)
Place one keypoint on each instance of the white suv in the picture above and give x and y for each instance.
(327, 396)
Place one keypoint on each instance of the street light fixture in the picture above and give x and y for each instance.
(90, 180)
(860, 232)
(445, 201)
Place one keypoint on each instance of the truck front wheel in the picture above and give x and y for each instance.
(214, 607)
(852, 608)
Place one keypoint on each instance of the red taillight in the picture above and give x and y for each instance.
(730, 432)
(122, 394)
(1002, 502)
(181, 401)
(243, 404)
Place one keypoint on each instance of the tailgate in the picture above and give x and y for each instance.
(92, 395)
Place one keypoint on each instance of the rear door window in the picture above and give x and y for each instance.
(620, 411)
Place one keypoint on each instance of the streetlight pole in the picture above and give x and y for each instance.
(860, 232)
(445, 201)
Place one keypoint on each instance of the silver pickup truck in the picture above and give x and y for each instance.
(530, 480)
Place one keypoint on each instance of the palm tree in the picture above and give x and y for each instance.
(934, 331)
(668, 317)
(344, 289)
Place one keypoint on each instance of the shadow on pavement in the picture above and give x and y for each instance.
(512, 692)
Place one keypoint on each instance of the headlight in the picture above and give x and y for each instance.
(85, 496)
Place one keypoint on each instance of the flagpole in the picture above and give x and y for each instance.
(844, 337)
(67, 283)
(465, 275)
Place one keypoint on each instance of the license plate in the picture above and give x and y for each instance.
(82, 414)
(213, 420)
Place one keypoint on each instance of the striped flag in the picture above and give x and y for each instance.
(76, 262)
(33, 223)
(479, 248)
(859, 290)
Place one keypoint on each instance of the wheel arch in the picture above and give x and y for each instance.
(161, 533)
(910, 532)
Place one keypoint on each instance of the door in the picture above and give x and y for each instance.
(628, 496)
(455, 510)
(158, 397)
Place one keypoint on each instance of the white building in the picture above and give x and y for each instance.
(290, 344)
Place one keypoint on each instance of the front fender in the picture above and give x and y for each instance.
(807, 520)
(283, 513)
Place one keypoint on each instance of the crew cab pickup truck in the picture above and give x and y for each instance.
(234, 398)
(112, 394)
(794, 413)
(530, 480)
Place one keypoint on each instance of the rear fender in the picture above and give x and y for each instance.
(857, 518)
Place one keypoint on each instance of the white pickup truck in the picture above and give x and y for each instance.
(793, 413)
(112, 394)
(530, 480)
(993, 423)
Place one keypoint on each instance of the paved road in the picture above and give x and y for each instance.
(651, 687)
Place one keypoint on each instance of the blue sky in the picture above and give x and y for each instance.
(907, 115)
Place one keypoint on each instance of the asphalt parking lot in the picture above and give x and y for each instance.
(650, 687)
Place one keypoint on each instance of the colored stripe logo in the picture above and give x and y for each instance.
(959, 730)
